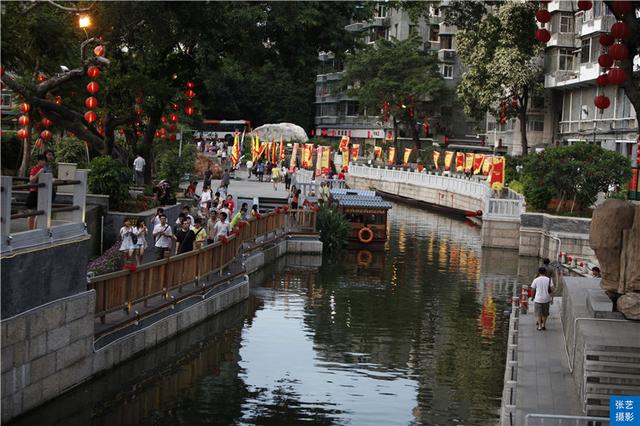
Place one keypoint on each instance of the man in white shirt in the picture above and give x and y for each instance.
(221, 227)
(543, 287)
(138, 166)
(163, 235)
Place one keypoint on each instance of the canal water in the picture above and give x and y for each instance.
(412, 334)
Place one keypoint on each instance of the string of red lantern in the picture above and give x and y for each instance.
(93, 87)
(543, 16)
(617, 52)
(24, 121)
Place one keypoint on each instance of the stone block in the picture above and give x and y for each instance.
(54, 314)
(7, 357)
(50, 387)
(7, 409)
(20, 353)
(127, 348)
(73, 353)
(162, 331)
(58, 338)
(150, 337)
(16, 331)
(99, 362)
(75, 374)
(43, 367)
(31, 396)
(139, 342)
(81, 328)
(8, 382)
(77, 308)
(37, 346)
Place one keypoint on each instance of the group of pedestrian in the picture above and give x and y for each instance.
(269, 171)
(134, 240)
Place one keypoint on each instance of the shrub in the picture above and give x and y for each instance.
(333, 227)
(71, 150)
(171, 167)
(11, 150)
(109, 261)
(516, 186)
(110, 177)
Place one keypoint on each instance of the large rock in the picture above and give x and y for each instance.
(606, 239)
(629, 305)
(630, 260)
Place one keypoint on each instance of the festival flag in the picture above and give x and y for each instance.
(254, 151)
(425, 124)
(477, 163)
(486, 165)
(345, 158)
(436, 159)
(496, 179)
(468, 163)
(307, 156)
(391, 156)
(407, 155)
(319, 160)
(282, 157)
(344, 143)
(355, 149)
(377, 152)
(235, 151)
(459, 162)
(326, 160)
(261, 150)
(294, 158)
(448, 158)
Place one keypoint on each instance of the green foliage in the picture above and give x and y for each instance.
(516, 186)
(513, 163)
(10, 152)
(71, 150)
(572, 172)
(333, 227)
(110, 177)
(172, 167)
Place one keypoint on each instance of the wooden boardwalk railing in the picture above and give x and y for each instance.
(122, 290)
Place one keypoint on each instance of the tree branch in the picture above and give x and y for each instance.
(70, 9)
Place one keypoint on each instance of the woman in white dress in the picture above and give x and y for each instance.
(140, 231)
(127, 247)
(205, 198)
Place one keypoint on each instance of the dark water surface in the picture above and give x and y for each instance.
(414, 334)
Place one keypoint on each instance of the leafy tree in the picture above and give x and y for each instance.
(400, 74)
(110, 177)
(500, 51)
(171, 166)
(575, 174)
(72, 150)
(333, 228)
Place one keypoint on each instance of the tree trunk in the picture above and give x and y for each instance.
(415, 134)
(522, 117)
(395, 137)
(26, 157)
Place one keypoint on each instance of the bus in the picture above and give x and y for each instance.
(215, 130)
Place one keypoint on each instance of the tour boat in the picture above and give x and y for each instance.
(367, 214)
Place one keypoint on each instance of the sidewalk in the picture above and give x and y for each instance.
(545, 385)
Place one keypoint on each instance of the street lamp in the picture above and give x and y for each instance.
(84, 21)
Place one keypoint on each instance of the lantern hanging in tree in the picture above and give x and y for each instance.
(58, 100)
(605, 61)
(542, 35)
(172, 136)
(93, 72)
(175, 106)
(584, 5)
(46, 122)
(173, 117)
(163, 131)
(619, 52)
(99, 50)
(543, 16)
(93, 87)
(606, 39)
(91, 102)
(188, 110)
(617, 76)
(173, 127)
(602, 80)
(23, 134)
(23, 120)
(622, 7)
(90, 116)
(620, 30)
(190, 85)
(25, 107)
(602, 102)
(163, 119)
(46, 135)
(190, 94)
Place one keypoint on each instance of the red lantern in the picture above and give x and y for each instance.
(605, 61)
(619, 52)
(23, 120)
(91, 102)
(543, 16)
(93, 87)
(41, 77)
(90, 116)
(163, 119)
(188, 111)
(602, 80)
(190, 85)
(173, 117)
(25, 107)
(617, 76)
(175, 107)
(173, 127)
(93, 72)
(584, 5)
(138, 100)
(190, 94)
(163, 131)
(157, 134)
(224, 240)
(23, 134)
(620, 30)
(542, 35)
(622, 7)
(58, 100)
(172, 136)
(606, 39)
(99, 50)
(188, 102)
(46, 122)
(46, 135)
(602, 102)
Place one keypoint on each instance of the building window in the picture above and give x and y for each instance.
(446, 42)
(585, 51)
(435, 11)
(435, 31)
(566, 23)
(595, 49)
(447, 71)
(536, 124)
(565, 60)
(381, 11)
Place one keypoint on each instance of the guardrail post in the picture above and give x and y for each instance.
(5, 208)
(80, 196)
(44, 200)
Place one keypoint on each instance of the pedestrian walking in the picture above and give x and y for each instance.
(140, 232)
(543, 290)
(207, 176)
(226, 179)
(138, 167)
(163, 236)
(206, 197)
(184, 238)
(275, 176)
(128, 244)
(32, 198)
(221, 228)
(260, 170)
(249, 169)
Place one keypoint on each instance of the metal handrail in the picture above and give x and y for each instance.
(576, 420)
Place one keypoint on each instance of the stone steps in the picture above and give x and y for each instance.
(613, 378)
(611, 366)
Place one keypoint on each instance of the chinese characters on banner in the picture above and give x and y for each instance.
(459, 162)
(326, 155)
(448, 158)
(496, 179)
(355, 151)
(319, 160)
(344, 151)
(468, 163)
(307, 156)
(377, 152)
(436, 159)
(391, 156)
(294, 158)
(486, 165)
(235, 151)
(406, 156)
(477, 163)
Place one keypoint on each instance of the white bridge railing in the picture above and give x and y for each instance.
(505, 204)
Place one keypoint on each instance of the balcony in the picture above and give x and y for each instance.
(447, 29)
(446, 55)
(585, 76)
(562, 40)
(357, 27)
(600, 24)
(560, 6)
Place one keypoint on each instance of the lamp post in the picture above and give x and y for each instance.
(84, 22)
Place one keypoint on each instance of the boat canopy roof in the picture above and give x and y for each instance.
(359, 198)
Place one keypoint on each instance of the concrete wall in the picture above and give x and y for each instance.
(500, 233)
(541, 234)
(43, 275)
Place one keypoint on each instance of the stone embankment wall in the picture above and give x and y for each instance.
(543, 235)
(50, 349)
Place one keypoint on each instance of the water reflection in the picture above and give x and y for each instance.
(413, 334)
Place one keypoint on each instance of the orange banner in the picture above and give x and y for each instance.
(294, 158)
(307, 156)
(436, 159)
(319, 160)
(448, 158)
(355, 150)
(377, 152)
(344, 143)
(477, 163)
(326, 156)
(496, 180)
(235, 151)
(281, 150)
(459, 162)
(391, 156)
(407, 155)
(486, 165)
(468, 163)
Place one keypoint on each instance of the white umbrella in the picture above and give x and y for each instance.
(290, 132)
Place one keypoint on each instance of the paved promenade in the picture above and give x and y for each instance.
(545, 385)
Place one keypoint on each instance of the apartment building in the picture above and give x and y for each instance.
(339, 114)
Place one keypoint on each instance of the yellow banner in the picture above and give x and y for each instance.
(326, 156)
(281, 150)
(344, 143)
(307, 156)
(345, 157)
(459, 162)
(486, 165)
(319, 160)
(391, 156)
(235, 151)
(407, 155)
(355, 150)
(294, 157)
(436, 159)
(377, 152)
(496, 180)
(448, 158)
(468, 163)
(477, 163)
